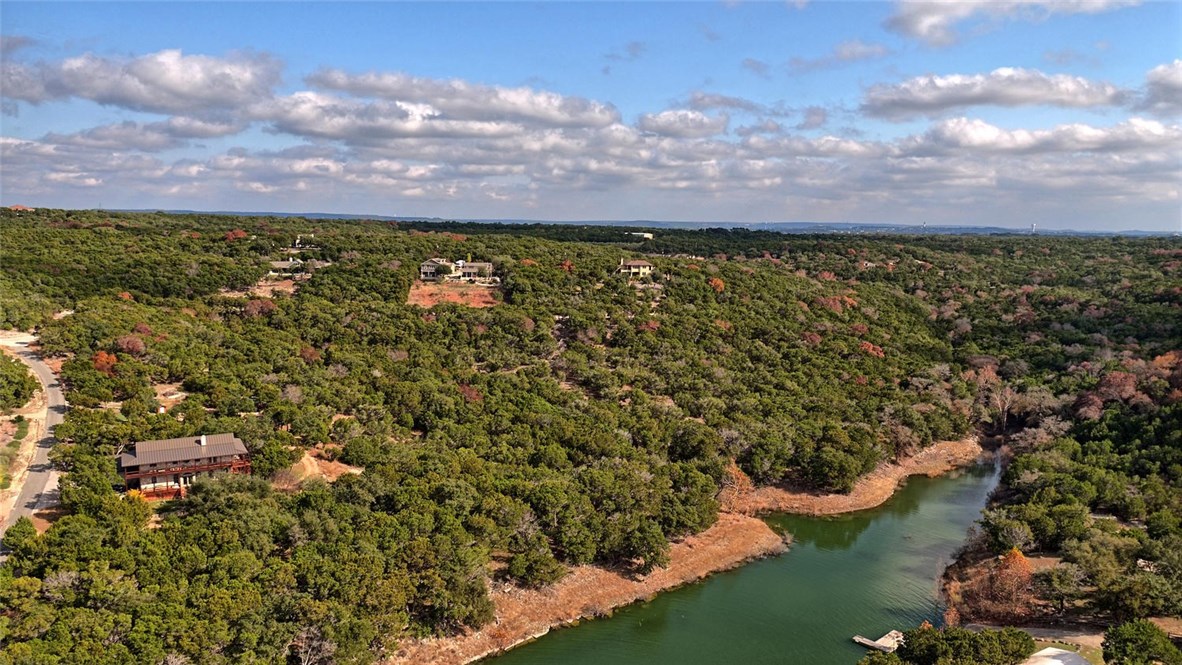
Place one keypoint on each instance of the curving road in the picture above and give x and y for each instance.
(40, 487)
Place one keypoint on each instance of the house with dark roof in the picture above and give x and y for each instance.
(165, 468)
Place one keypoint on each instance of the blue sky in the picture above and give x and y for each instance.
(1002, 112)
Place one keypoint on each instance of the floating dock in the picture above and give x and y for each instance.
(886, 644)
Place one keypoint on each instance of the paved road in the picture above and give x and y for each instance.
(40, 488)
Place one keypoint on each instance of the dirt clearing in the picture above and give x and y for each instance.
(430, 294)
(311, 467)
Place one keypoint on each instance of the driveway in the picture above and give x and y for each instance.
(39, 490)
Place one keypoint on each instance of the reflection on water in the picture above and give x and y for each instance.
(865, 573)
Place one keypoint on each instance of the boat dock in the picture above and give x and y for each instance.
(886, 644)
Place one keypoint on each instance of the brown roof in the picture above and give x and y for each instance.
(636, 264)
(184, 449)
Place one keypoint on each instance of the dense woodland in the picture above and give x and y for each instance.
(585, 418)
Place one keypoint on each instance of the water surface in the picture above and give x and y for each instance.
(865, 573)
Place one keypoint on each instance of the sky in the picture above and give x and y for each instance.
(1067, 114)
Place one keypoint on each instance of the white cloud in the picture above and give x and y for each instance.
(383, 141)
(317, 115)
(460, 100)
(1135, 134)
(1163, 90)
(683, 123)
(121, 136)
(934, 95)
(846, 52)
(164, 82)
(934, 21)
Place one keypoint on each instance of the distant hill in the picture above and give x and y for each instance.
(782, 227)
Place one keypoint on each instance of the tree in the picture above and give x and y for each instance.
(1062, 584)
(21, 538)
(17, 385)
(1139, 642)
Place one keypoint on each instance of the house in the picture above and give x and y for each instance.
(284, 268)
(642, 235)
(474, 270)
(20, 208)
(635, 268)
(165, 468)
(436, 269)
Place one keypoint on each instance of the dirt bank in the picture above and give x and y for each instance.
(430, 294)
(737, 537)
(590, 591)
(871, 491)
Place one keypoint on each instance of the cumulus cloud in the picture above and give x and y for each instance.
(683, 123)
(468, 149)
(1163, 90)
(122, 136)
(319, 115)
(844, 53)
(1135, 134)
(935, 95)
(460, 100)
(958, 168)
(144, 137)
(934, 21)
(164, 82)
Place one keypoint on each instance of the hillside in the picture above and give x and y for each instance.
(581, 418)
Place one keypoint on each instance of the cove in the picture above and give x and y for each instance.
(862, 573)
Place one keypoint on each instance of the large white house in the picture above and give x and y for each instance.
(436, 269)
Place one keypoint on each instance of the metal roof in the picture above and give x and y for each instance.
(184, 449)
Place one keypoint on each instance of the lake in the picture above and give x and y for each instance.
(864, 573)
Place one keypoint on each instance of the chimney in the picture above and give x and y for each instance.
(202, 441)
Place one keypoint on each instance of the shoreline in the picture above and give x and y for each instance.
(523, 615)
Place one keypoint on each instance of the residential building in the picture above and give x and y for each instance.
(165, 468)
(635, 268)
(474, 270)
(436, 269)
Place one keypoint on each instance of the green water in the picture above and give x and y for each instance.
(865, 573)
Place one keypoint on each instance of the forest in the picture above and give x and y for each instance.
(585, 418)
